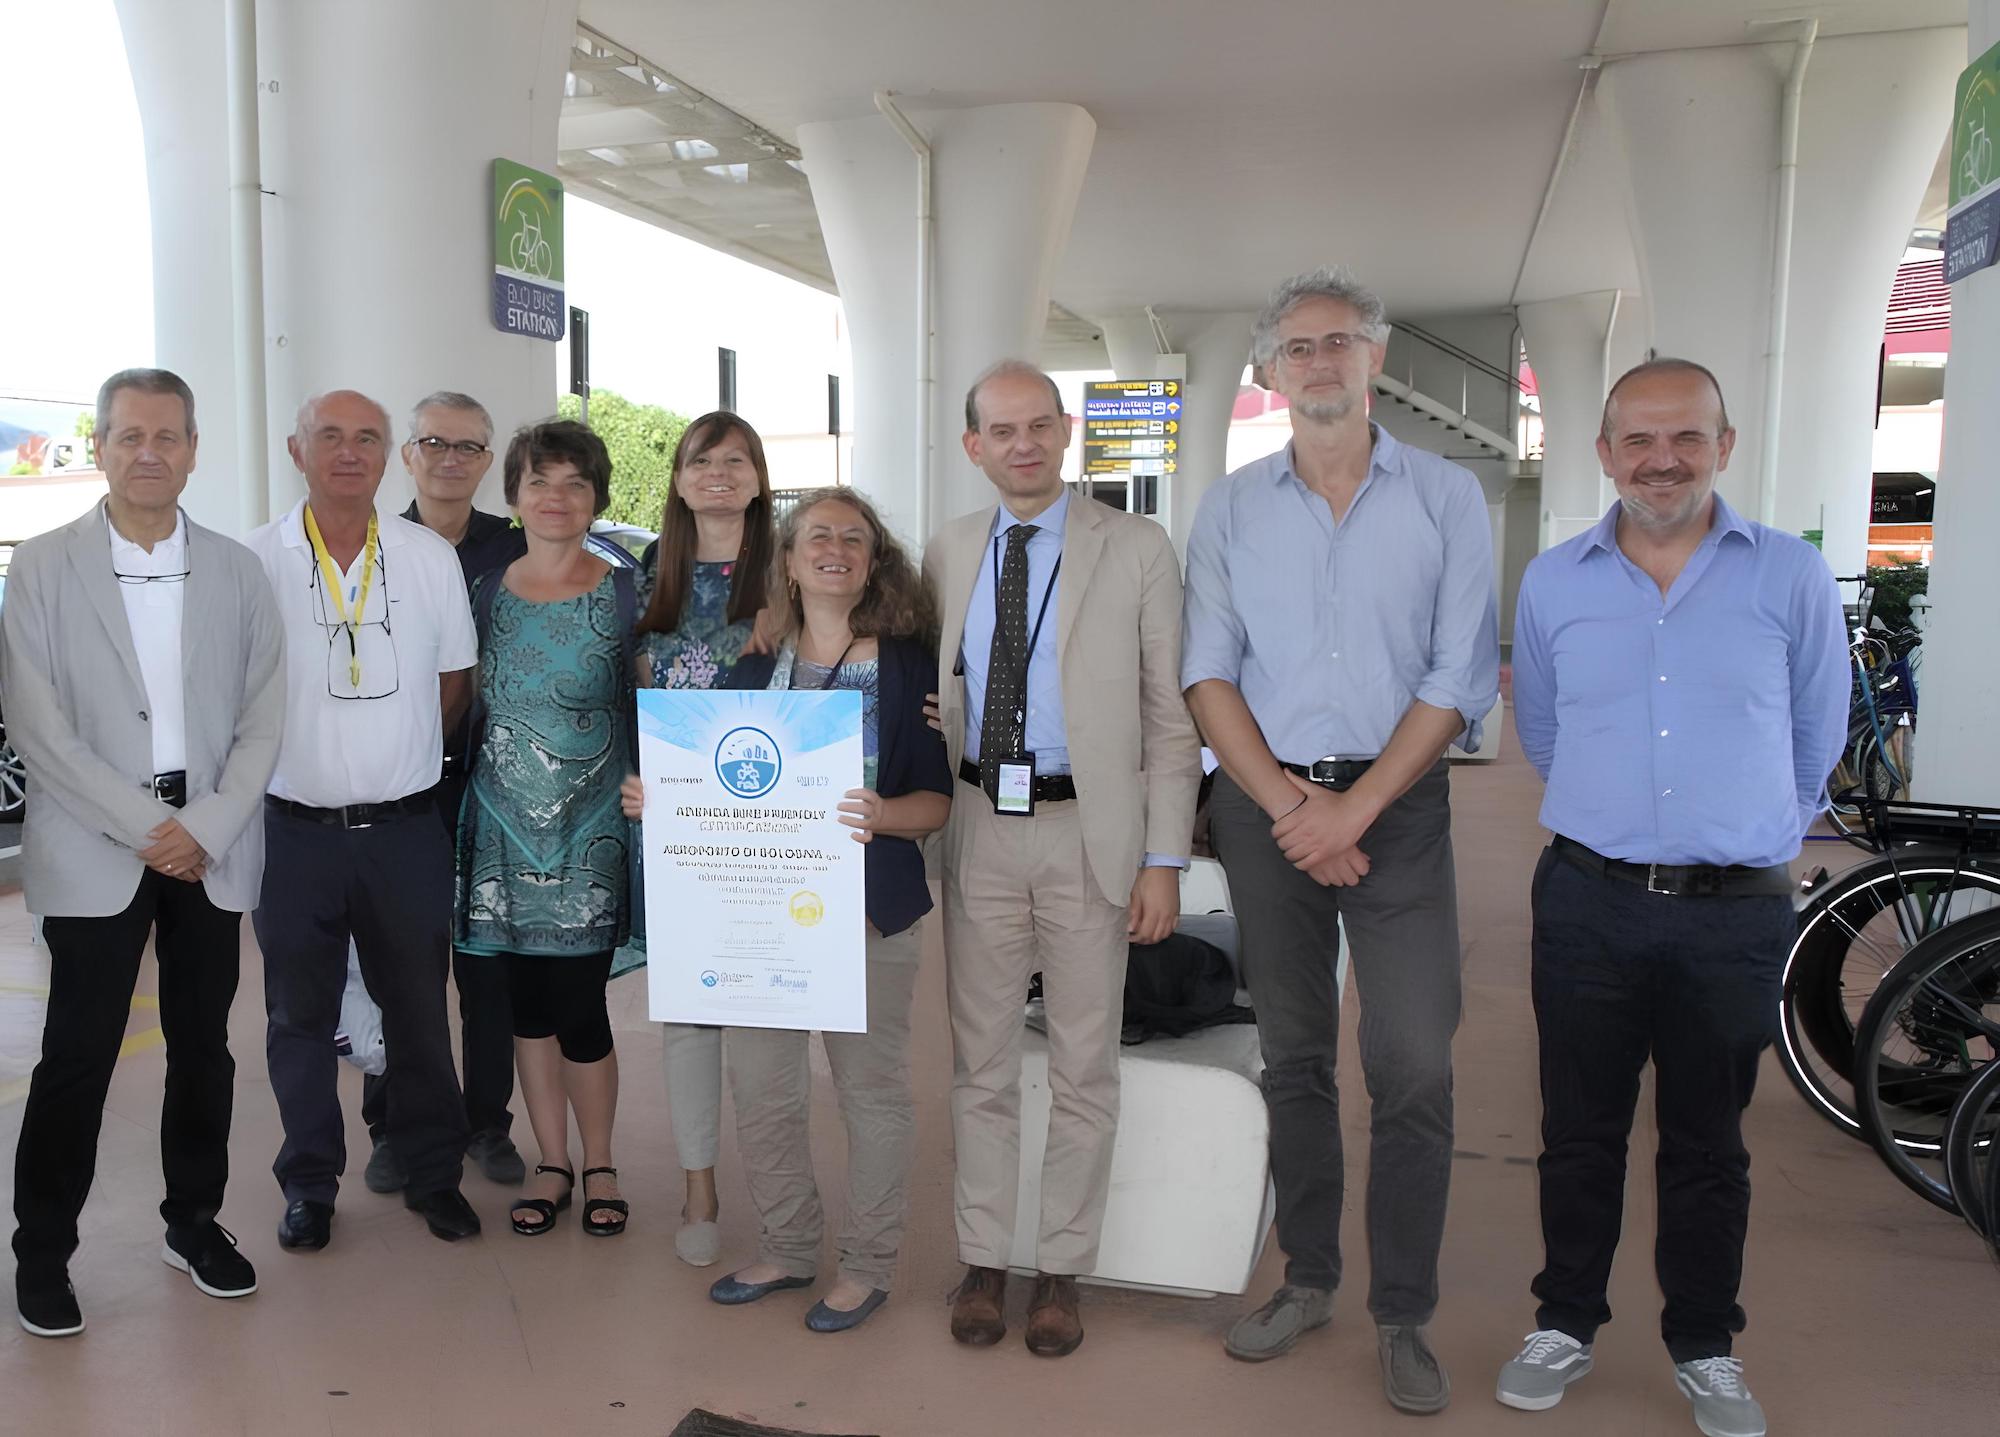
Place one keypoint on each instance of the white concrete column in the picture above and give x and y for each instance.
(1568, 347)
(1005, 180)
(1700, 133)
(1875, 111)
(1960, 683)
(175, 50)
(1217, 346)
(380, 122)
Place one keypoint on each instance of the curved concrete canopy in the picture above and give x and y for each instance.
(1240, 142)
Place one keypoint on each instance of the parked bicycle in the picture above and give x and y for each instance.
(1931, 866)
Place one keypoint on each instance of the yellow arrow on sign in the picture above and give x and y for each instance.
(1173, 426)
(1172, 388)
(1173, 446)
(1172, 467)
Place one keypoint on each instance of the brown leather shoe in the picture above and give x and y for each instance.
(1054, 1327)
(978, 1316)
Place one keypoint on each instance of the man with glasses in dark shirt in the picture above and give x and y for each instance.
(449, 450)
(379, 656)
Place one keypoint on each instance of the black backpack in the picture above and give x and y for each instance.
(1177, 986)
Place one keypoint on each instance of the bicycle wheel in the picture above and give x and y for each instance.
(1852, 932)
(1968, 1150)
(1931, 1028)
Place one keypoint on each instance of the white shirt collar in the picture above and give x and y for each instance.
(168, 551)
(292, 528)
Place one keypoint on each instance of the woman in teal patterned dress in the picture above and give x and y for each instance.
(543, 850)
(703, 586)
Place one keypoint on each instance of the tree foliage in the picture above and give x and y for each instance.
(86, 424)
(641, 439)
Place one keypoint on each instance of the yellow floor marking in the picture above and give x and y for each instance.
(137, 1042)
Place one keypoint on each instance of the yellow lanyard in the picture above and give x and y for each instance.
(336, 592)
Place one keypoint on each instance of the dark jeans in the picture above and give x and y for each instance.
(1402, 920)
(93, 966)
(1621, 974)
(486, 1025)
(389, 886)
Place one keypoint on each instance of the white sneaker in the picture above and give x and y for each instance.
(1723, 1406)
(1534, 1381)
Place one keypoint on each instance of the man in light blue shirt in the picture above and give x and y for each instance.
(1680, 679)
(1340, 635)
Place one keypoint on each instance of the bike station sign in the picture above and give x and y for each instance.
(1131, 427)
(528, 252)
(1972, 224)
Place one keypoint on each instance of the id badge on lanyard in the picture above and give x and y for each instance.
(1014, 793)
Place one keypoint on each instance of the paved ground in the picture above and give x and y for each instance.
(1871, 1313)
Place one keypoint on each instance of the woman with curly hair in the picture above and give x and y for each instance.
(853, 613)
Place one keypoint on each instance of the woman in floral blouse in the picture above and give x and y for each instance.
(703, 591)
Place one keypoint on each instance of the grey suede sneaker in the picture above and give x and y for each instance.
(1275, 1328)
(1534, 1381)
(1723, 1406)
(1412, 1377)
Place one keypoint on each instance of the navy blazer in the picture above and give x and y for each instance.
(909, 758)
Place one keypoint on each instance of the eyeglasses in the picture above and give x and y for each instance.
(1304, 351)
(371, 643)
(125, 578)
(463, 448)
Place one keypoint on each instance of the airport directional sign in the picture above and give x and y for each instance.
(1131, 427)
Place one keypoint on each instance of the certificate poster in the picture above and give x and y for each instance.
(755, 914)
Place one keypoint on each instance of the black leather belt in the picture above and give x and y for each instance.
(1049, 787)
(1337, 774)
(171, 788)
(1680, 880)
(357, 815)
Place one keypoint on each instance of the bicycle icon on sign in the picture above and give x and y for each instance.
(528, 252)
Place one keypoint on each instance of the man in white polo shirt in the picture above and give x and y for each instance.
(380, 645)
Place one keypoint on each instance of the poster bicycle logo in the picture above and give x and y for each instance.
(528, 252)
(1972, 224)
(748, 762)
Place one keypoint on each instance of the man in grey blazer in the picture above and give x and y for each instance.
(143, 666)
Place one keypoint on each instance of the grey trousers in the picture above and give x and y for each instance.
(1402, 920)
(770, 1077)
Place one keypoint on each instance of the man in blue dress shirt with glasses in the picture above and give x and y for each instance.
(1340, 636)
(1680, 680)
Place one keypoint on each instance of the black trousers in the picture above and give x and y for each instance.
(93, 966)
(563, 998)
(1620, 975)
(389, 887)
(486, 1025)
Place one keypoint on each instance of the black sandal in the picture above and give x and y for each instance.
(596, 1227)
(542, 1207)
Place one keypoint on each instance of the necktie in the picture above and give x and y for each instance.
(1002, 724)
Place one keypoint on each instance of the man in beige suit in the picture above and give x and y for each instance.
(143, 668)
(1064, 721)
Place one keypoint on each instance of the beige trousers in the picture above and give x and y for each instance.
(771, 1080)
(1019, 899)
